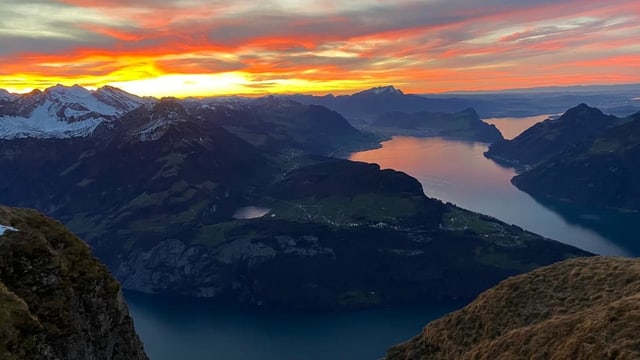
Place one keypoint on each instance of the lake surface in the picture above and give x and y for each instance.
(183, 328)
(458, 172)
(511, 127)
(453, 171)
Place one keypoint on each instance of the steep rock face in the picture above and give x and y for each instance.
(56, 300)
(603, 172)
(548, 138)
(586, 308)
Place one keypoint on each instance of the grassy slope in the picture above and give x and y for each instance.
(587, 308)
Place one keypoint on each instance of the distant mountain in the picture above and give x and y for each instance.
(56, 300)
(63, 112)
(465, 125)
(577, 309)
(366, 105)
(548, 138)
(603, 171)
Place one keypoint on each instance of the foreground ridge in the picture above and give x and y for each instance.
(586, 308)
(56, 300)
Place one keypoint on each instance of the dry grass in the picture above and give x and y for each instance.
(587, 308)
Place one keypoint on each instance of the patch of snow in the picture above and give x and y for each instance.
(4, 228)
(385, 90)
(120, 99)
(77, 95)
(157, 128)
(381, 90)
(43, 122)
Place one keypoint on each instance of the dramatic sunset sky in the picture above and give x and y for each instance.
(209, 47)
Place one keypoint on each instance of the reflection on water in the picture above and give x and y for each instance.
(178, 328)
(457, 172)
(511, 127)
(250, 212)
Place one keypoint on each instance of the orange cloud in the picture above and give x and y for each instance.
(324, 47)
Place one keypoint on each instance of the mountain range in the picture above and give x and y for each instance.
(62, 112)
(223, 200)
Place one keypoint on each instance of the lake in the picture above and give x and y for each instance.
(511, 127)
(457, 172)
(184, 328)
(453, 171)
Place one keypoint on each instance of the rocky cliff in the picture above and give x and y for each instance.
(587, 308)
(56, 300)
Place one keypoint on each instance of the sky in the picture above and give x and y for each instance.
(216, 47)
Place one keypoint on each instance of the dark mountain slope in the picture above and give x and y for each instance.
(578, 309)
(366, 105)
(56, 300)
(603, 172)
(550, 137)
(279, 124)
(464, 125)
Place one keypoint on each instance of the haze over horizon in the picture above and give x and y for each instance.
(200, 47)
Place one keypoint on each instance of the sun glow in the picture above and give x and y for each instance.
(194, 48)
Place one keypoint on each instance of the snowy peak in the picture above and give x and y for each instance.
(381, 90)
(119, 99)
(63, 111)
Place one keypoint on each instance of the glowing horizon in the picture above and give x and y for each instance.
(211, 47)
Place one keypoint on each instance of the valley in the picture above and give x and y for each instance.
(227, 197)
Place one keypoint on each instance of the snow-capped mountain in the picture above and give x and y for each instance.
(5, 95)
(63, 111)
(381, 90)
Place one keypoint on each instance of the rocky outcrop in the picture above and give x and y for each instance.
(586, 308)
(56, 300)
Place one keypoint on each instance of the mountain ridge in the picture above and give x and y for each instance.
(548, 138)
(63, 112)
(600, 172)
